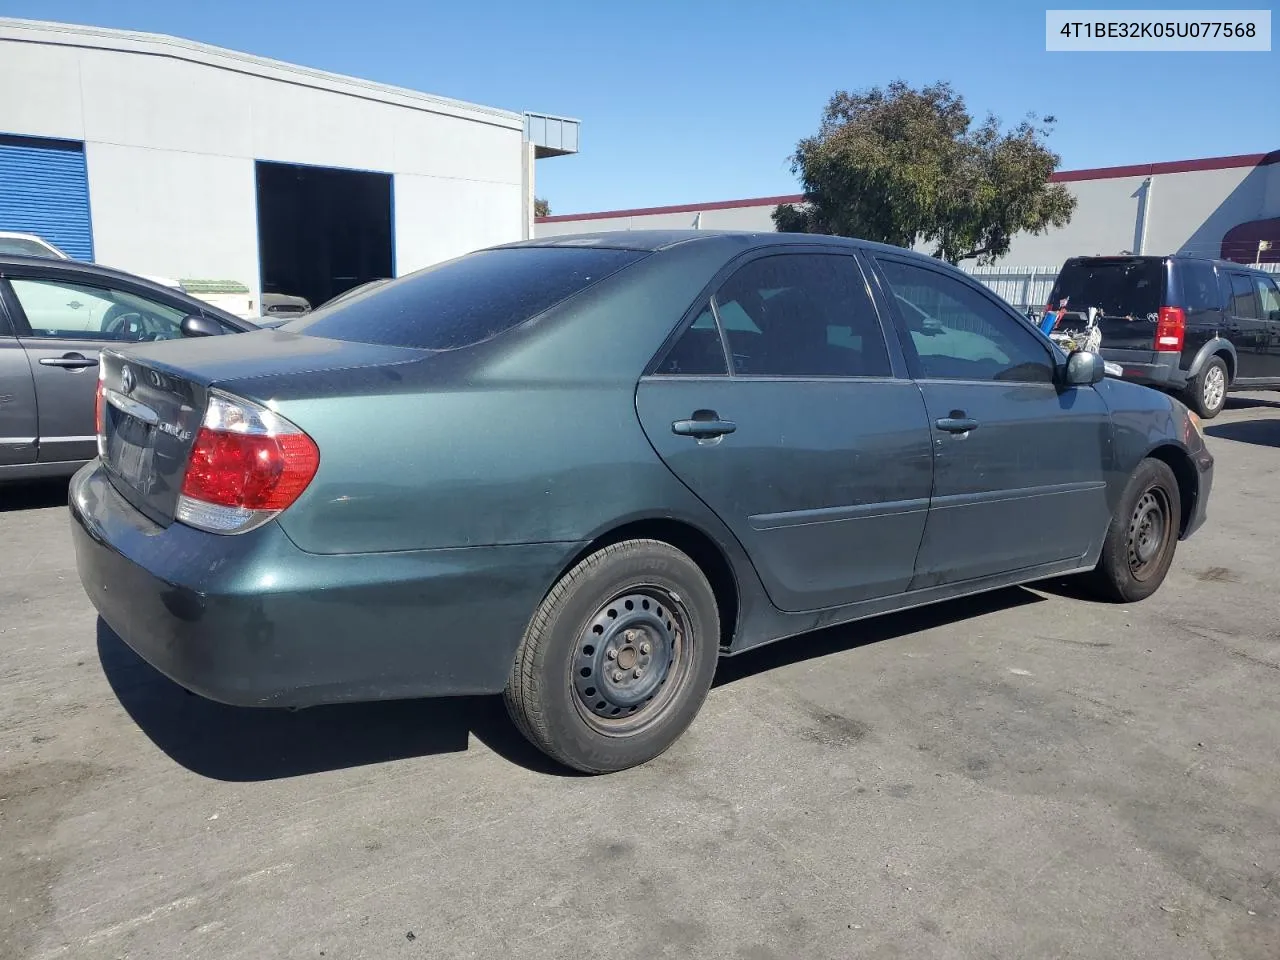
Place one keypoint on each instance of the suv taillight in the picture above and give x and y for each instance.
(1171, 328)
(247, 464)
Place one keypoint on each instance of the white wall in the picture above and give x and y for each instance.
(174, 214)
(172, 129)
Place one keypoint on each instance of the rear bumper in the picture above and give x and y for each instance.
(251, 620)
(1149, 368)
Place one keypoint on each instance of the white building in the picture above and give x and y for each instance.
(166, 157)
(1220, 207)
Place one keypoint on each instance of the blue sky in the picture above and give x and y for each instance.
(701, 100)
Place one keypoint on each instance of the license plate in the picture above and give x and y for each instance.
(131, 451)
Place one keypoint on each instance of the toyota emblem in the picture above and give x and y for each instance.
(127, 381)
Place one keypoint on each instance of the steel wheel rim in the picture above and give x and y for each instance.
(632, 660)
(1215, 387)
(1149, 527)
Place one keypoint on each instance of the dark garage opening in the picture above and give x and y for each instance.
(322, 231)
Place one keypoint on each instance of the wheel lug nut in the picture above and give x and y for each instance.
(636, 673)
(617, 676)
(644, 647)
(611, 654)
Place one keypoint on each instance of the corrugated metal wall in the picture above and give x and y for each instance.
(44, 189)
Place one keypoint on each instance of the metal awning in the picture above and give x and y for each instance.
(551, 136)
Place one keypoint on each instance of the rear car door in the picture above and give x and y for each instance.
(807, 440)
(1248, 332)
(62, 324)
(1269, 315)
(17, 399)
(1018, 462)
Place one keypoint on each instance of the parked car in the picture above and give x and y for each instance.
(283, 305)
(1196, 327)
(578, 470)
(55, 317)
(30, 245)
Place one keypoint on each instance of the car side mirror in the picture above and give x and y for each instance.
(1084, 368)
(197, 325)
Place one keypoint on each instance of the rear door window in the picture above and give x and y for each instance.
(1244, 301)
(802, 315)
(1121, 287)
(465, 301)
(1199, 286)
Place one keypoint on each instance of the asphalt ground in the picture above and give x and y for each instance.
(1025, 774)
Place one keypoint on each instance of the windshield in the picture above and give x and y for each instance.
(1120, 288)
(464, 301)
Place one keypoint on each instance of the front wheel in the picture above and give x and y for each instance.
(1207, 393)
(1143, 535)
(618, 658)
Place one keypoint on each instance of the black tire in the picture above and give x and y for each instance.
(1207, 393)
(569, 693)
(1143, 536)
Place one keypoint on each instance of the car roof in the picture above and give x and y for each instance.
(1218, 261)
(655, 240)
(94, 271)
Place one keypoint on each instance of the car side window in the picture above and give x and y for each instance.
(698, 352)
(956, 333)
(1244, 303)
(802, 315)
(1268, 297)
(1199, 286)
(61, 309)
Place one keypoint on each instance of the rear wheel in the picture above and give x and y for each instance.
(618, 658)
(1143, 535)
(1207, 393)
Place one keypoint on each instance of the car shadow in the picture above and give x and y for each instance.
(850, 636)
(1239, 402)
(36, 495)
(247, 744)
(1263, 433)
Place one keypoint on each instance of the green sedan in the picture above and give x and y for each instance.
(579, 471)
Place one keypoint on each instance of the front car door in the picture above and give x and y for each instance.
(1019, 462)
(17, 400)
(807, 440)
(62, 324)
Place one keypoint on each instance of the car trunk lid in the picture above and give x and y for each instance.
(153, 399)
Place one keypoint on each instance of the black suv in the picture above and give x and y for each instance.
(1188, 325)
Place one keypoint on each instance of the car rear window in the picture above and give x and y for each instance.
(1120, 288)
(465, 301)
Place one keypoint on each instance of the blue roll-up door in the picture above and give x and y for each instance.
(44, 189)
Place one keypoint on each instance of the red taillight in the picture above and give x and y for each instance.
(253, 472)
(246, 465)
(1171, 329)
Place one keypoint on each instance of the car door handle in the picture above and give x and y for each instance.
(714, 427)
(957, 424)
(70, 360)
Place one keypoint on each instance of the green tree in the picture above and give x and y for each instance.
(541, 208)
(901, 166)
